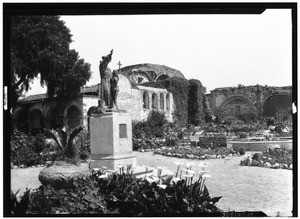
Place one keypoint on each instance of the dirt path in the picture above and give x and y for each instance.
(242, 188)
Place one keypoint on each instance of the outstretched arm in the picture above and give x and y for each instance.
(104, 63)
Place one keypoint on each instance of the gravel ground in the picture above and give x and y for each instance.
(242, 188)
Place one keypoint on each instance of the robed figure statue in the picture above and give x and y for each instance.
(105, 75)
(114, 89)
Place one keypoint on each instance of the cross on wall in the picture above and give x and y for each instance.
(119, 64)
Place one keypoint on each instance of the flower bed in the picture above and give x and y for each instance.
(276, 158)
(120, 193)
(194, 152)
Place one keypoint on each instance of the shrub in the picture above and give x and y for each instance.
(66, 150)
(241, 151)
(123, 194)
(83, 143)
(23, 149)
(257, 157)
(196, 103)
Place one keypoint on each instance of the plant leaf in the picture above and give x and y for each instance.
(216, 199)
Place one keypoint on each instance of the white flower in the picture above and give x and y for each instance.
(162, 186)
(190, 172)
(205, 176)
(104, 176)
(160, 168)
(119, 165)
(95, 169)
(202, 166)
(188, 165)
(202, 172)
(150, 180)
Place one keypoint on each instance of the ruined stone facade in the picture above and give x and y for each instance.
(37, 111)
(250, 100)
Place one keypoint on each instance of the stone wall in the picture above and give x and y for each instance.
(246, 99)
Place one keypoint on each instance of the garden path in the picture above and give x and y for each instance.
(243, 188)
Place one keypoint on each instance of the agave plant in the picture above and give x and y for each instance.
(66, 148)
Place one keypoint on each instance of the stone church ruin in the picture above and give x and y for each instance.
(38, 111)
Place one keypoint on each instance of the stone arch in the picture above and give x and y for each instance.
(273, 103)
(155, 101)
(162, 101)
(20, 119)
(91, 110)
(146, 100)
(36, 120)
(162, 77)
(168, 105)
(73, 117)
(237, 105)
(56, 118)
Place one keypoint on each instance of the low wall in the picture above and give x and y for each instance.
(259, 145)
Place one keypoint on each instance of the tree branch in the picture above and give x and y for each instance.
(19, 82)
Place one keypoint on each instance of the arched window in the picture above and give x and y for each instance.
(162, 101)
(168, 101)
(56, 119)
(36, 120)
(73, 117)
(21, 120)
(154, 101)
(145, 100)
(89, 113)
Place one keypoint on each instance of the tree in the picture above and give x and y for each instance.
(40, 45)
(199, 111)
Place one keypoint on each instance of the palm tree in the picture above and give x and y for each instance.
(66, 147)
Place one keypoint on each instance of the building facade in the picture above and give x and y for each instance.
(38, 111)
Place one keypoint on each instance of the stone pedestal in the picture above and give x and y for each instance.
(111, 139)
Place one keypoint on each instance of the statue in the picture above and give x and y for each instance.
(105, 75)
(114, 89)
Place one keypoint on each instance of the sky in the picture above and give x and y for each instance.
(218, 50)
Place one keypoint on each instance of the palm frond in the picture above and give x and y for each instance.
(55, 136)
(71, 150)
(63, 137)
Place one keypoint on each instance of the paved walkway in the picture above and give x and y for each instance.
(242, 188)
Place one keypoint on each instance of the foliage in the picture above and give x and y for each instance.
(83, 143)
(179, 87)
(28, 150)
(194, 152)
(196, 103)
(272, 158)
(19, 207)
(280, 155)
(40, 45)
(145, 134)
(153, 127)
(66, 148)
(123, 194)
(270, 121)
(283, 116)
(241, 151)
(84, 198)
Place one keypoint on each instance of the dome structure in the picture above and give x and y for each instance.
(142, 73)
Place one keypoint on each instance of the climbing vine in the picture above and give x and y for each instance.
(179, 87)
